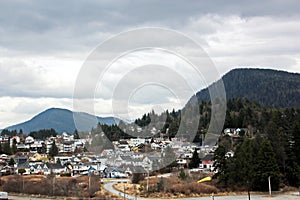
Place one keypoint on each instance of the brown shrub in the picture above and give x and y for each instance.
(61, 186)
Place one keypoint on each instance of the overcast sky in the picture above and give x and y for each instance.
(43, 45)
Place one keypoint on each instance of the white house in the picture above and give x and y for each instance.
(29, 140)
(137, 141)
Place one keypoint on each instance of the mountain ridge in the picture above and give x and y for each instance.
(271, 88)
(268, 87)
(62, 120)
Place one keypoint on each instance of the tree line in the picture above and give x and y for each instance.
(271, 147)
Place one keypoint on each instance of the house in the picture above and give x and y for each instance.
(229, 154)
(86, 168)
(181, 162)
(129, 170)
(29, 140)
(67, 147)
(36, 147)
(4, 139)
(62, 159)
(123, 146)
(151, 162)
(36, 169)
(116, 173)
(207, 163)
(25, 166)
(107, 152)
(137, 141)
(48, 144)
(21, 159)
(232, 132)
(67, 137)
(7, 170)
(37, 157)
(16, 138)
(54, 168)
(3, 157)
(23, 147)
(46, 168)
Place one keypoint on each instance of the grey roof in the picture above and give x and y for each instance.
(21, 159)
(23, 165)
(208, 157)
(136, 169)
(54, 166)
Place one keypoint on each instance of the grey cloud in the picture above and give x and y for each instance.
(21, 80)
(43, 26)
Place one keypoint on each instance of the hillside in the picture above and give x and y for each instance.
(61, 120)
(267, 87)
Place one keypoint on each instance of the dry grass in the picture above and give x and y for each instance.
(50, 186)
(171, 187)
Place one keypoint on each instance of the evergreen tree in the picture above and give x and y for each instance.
(220, 167)
(160, 185)
(242, 158)
(292, 165)
(137, 177)
(182, 175)
(76, 134)
(53, 151)
(195, 161)
(14, 146)
(6, 149)
(11, 162)
(264, 167)
(296, 141)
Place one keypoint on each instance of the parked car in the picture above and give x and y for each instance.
(3, 195)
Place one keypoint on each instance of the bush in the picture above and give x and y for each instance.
(182, 175)
(137, 177)
(66, 175)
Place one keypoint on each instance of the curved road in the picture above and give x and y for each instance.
(109, 187)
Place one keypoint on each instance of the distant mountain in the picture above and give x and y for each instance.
(62, 120)
(267, 87)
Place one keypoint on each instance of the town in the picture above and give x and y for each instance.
(35, 156)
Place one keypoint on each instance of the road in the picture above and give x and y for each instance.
(26, 198)
(109, 187)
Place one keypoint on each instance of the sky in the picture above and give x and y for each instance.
(44, 45)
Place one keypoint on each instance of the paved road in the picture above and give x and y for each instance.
(26, 198)
(109, 187)
(245, 197)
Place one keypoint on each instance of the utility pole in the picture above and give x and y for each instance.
(248, 190)
(124, 191)
(270, 189)
(53, 182)
(89, 184)
(23, 184)
(135, 193)
(148, 180)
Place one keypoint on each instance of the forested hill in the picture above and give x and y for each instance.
(61, 120)
(265, 86)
